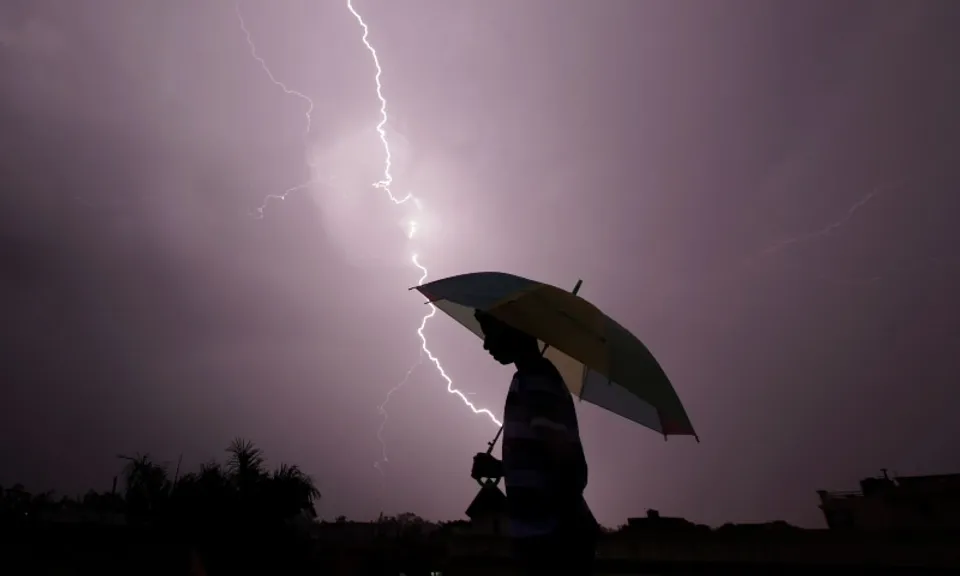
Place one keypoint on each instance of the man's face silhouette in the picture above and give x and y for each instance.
(503, 342)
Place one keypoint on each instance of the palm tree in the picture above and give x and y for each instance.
(212, 481)
(204, 496)
(292, 492)
(147, 486)
(247, 477)
(246, 461)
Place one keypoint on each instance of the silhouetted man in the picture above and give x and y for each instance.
(543, 465)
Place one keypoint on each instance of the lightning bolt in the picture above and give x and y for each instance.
(382, 409)
(308, 126)
(387, 180)
(436, 361)
(823, 232)
(926, 263)
(826, 230)
(384, 184)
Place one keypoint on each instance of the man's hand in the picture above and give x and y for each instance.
(486, 466)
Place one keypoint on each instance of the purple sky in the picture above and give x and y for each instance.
(680, 157)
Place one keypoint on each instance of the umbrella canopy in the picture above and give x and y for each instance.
(600, 360)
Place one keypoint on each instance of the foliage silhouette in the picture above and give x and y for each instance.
(236, 516)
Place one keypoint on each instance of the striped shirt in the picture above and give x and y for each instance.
(541, 492)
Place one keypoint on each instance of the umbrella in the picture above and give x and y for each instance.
(600, 360)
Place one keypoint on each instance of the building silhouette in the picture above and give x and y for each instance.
(654, 522)
(905, 503)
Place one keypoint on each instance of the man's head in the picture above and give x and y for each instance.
(505, 343)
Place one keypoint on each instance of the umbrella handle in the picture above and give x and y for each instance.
(543, 351)
(493, 442)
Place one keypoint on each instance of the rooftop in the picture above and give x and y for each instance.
(884, 484)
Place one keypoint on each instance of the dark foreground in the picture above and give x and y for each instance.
(68, 549)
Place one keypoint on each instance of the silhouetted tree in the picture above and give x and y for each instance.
(15, 503)
(146, 488)
(239, 491)
(245, 463)
(233, 515)
(292, 492)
